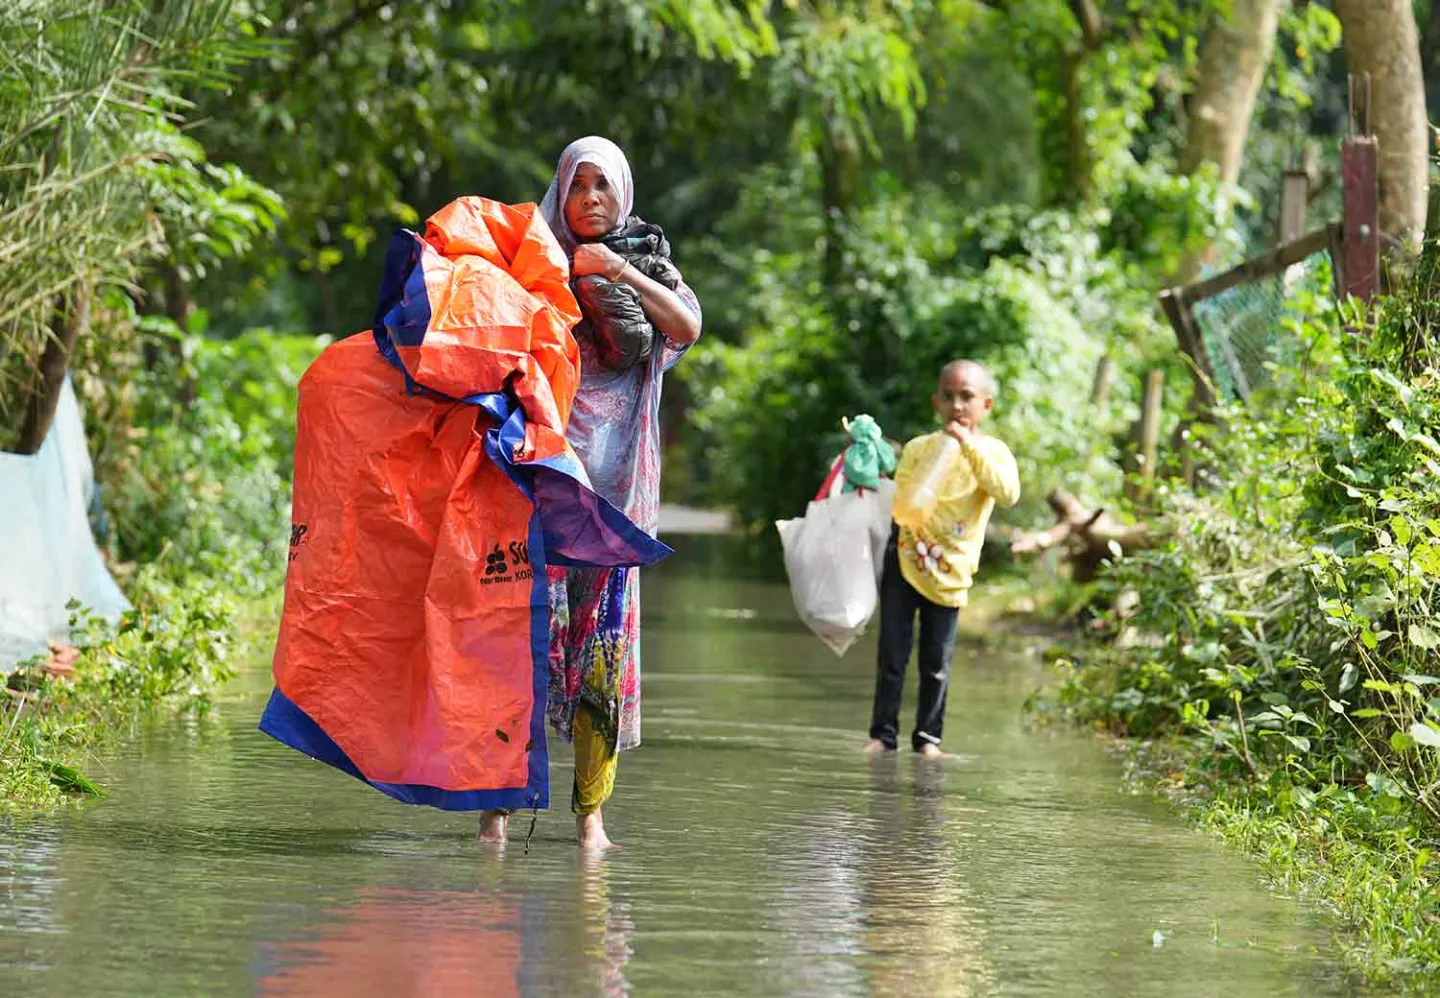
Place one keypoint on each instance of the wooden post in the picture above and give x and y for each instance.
(1310, 163)
(1185, 445)
(1360, 172)
(1146, 436)
(1150, 426)
(1100, 389)
(1360, 167)
(1182, 320)
(1294, 206)
(1100, 399)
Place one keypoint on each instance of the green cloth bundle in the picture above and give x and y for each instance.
(869, 457)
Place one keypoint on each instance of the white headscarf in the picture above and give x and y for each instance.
(612, 162)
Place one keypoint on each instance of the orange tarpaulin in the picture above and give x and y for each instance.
(433, 485)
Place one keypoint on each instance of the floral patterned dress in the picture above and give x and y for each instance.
(595, 612)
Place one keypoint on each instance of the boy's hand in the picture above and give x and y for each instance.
(962, 432)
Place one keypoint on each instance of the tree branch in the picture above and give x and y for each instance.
(1092, 25)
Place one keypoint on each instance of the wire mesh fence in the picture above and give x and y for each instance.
(1242, 329)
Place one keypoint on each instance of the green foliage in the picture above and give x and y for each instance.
(203, 483)
(1129, 81)
(175, 643)
(210, 213)
(168, 652)
(198, 498)
(1285, 638)
(839, 64)
(97, 178)
(1363, 853)
(98, 183)
(1033, 297)
(448, 98)
(1156, 217)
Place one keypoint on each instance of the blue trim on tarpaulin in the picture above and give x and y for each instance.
(284, 721)
(403, 312)
(539, 776)
(573, 539)
(569, 510)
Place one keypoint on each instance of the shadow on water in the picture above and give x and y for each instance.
(762, 854)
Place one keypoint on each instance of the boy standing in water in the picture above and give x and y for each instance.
(928, 570)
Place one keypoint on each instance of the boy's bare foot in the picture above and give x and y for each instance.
(929, 751)
(590, 832)
(875, 746)
(492, 827)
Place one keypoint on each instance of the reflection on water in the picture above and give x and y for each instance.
(384, 943)
(924, 910)
(763, 855)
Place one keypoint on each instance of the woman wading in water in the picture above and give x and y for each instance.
(594, 697)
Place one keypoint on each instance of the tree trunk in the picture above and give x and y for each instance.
(1233, 61)
(178, 304)
(839, 190)
(1079, 172)
(72, 313)
(1383, 40)
(1077, 151)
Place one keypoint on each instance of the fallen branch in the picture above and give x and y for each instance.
(1090, 537)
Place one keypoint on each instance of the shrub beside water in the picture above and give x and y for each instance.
(1036, 297)
(1286, 646)
(193, 459)
(169, 652)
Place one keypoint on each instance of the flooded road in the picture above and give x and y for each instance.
(762, 855)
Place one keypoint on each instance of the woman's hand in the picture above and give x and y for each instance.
(663, 307)
(593, 258)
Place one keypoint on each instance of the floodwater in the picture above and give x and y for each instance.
(763, 854)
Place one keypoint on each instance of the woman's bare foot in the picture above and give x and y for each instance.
(492, 827)
(875, 746)
(590, 832)
(929, 751)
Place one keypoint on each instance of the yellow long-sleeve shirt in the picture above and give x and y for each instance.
(940, 558)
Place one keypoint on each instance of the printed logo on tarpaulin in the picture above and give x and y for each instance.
(495, 562)
(299, 535)
(501, 559)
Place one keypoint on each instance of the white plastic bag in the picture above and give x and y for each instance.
(829, 556)
(881, 510)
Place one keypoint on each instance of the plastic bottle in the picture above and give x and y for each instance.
(914, 506)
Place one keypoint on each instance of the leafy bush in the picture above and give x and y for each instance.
(169, 651)
(1033, 296)
(1295, 608)
(194, 439)
(1285, 639)
(199, 479)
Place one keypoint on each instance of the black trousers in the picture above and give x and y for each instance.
(900, 604)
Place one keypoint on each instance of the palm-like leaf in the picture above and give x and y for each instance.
(90, 104)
